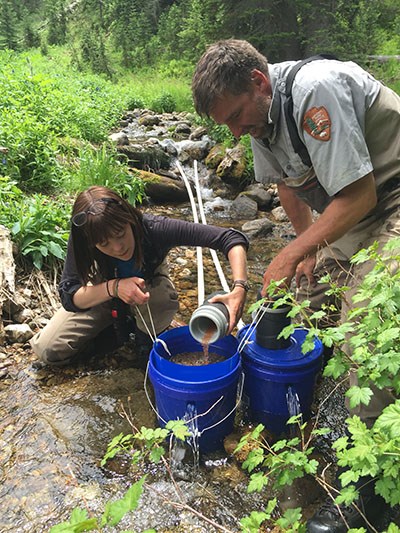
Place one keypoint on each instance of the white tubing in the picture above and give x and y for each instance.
(199, 252)
(214, 255)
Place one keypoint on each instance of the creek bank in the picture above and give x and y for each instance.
(55, 424)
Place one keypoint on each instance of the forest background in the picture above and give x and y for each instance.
(70, 69)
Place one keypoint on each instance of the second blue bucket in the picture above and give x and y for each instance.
(277, 382)
(207, 393)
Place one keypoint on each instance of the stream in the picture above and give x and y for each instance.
(55, 425)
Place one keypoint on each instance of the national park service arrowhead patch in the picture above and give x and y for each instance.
(317, 123)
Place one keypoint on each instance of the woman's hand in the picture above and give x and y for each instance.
(133, 291)
(234, 301)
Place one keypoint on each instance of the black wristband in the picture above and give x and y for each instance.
(241, 283)
(108, 289)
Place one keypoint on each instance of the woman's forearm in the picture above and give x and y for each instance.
(91, 295)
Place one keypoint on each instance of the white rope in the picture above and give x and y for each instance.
(252, 327)
(151, 335)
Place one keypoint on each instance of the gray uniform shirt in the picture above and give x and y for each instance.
(331, 100)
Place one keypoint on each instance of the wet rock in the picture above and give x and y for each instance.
(258, 193)
(244, 207)
(18, 333)
(162, 188)
(119, 138)
(279, 214)
(215, 156)
(169, 146)
(198, 133)
(149, 120)
(146, 155)
(233, 165)
(183, 128)
(258, 228)
(191, 150)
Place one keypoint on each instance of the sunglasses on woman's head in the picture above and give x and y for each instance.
(96, 208)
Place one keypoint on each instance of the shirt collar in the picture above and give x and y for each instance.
(275, 108)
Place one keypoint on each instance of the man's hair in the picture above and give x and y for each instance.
(225, 66)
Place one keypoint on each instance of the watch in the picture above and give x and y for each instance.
(241, 283)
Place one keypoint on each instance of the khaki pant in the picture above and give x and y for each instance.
(335, 261)
(67, 334)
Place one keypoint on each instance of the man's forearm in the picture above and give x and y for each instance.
(298, 212)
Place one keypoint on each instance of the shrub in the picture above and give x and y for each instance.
(165, 103)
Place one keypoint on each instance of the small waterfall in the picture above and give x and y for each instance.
(294, 407)
(180, 448)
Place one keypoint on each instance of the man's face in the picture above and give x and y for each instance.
(246, 112)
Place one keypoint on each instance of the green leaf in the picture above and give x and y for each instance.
(389, 420)
(78, 523)
(359, 395)
(257, 482)
(156, 454)
(252, 523)
(115, 511)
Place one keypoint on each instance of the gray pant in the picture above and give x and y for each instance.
(67, 334)
(335, 261)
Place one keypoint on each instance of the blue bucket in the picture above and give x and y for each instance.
(207, 393)
(274, 378)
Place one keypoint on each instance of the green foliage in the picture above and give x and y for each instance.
(151, 442)
(40, 231)
(372, 333)
(372, 452)
(165, 103)
(101, 166)
(38, 109)
(278, 464)
(113, 513)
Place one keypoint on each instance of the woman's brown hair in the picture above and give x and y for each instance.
(99, 213)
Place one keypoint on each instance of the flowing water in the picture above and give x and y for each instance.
(55, 425)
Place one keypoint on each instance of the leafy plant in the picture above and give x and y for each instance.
(144, 444)
(101, 166)
(40, 231)
(112, 515)
(372, 333)
(165, 103)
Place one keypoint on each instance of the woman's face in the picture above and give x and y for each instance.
(121, 245)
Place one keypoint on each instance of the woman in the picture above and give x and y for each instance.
(116, 259)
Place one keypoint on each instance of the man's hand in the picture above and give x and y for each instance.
(306, 268)
(280, 268)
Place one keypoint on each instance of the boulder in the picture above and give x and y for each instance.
(279, 214)
(20, 333)
(244, 207)
(257, 228)
(233, 165)
(145, 156)
(260, 195)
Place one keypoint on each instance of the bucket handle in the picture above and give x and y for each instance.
(238, 401)
(147, 393)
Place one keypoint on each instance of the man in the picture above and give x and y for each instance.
(347, 169)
